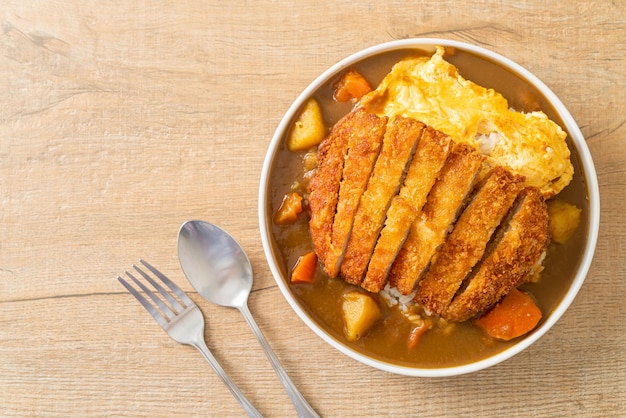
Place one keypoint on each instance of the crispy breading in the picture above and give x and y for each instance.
(400, 216)
(324, 186)
(363, 150)
(468, 240)
(430, 156)
(399, 144)
(429, 230)
(515, 256)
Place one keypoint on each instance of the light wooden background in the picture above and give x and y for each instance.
(121, 120)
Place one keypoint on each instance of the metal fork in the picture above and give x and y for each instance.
(183, 322)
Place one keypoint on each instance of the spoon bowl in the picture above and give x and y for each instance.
(215, 264)
(219, 269)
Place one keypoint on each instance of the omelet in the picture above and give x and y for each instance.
(431, 90)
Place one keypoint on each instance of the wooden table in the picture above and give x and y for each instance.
(120, 122)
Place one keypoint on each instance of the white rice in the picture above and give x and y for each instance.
(487, 142)
(393, 297)
(405, 303)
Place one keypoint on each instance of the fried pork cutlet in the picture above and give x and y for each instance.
(399, 144)
(363, 151)
(466, 243)
(431, 227)
(430, 156)
(353, 132)
(517, 253)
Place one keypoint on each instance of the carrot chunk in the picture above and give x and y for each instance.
(289, 209)
(416, 335)
(351, 85)
(515, 315)
(304, 270)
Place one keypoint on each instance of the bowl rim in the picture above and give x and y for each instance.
(576, 137)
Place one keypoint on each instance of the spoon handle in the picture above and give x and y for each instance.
(245, 403)
(302, 406)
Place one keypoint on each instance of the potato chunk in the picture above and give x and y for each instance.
(360, 312)
(309, 129)
(564, 220)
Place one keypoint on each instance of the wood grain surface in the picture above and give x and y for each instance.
(121, 120)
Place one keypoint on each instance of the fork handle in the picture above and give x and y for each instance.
(245, 403)
(303, 408)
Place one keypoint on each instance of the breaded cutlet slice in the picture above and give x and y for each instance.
(521, 247)
(400, 216)
(431, 154)
(432, 225)
(467, 242)
(324, 184)
(399, 144)
(364, 147)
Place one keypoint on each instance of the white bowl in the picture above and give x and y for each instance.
(580, 156)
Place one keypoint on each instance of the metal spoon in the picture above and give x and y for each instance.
(219, 269)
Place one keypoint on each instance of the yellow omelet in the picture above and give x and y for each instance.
(432, 91)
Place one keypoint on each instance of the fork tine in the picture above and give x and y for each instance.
(144, 302)
(175, 304)
(177, 290)
(164, 308)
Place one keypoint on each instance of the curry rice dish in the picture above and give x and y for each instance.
(428, 200)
